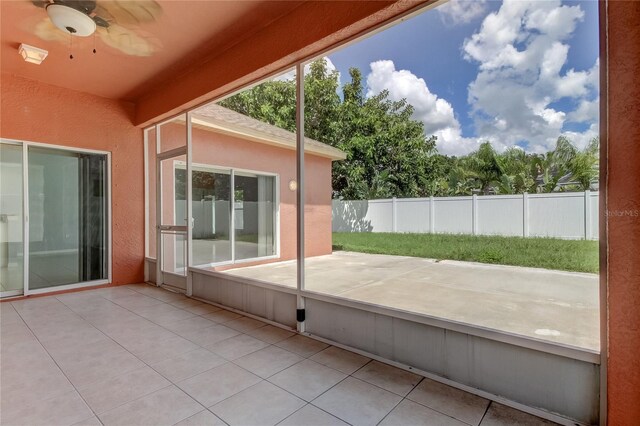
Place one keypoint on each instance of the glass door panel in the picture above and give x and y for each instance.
(172, 214)
(211, 210)
(171, 203)
(11, 234)
(67, 217)
(254, 215)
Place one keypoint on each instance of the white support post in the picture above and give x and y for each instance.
(146, 200)
(432, 215)
(232, 217)
(525, 214)
(587, 215)
(474, 214)
(25, 219)
(189, 199)
(394, 215)
(300, 192)
(159, 251)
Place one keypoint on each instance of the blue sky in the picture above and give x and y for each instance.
(513, 72)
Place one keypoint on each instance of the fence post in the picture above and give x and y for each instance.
(394, 215)
(587, 215)
(525, 214)
(474, 214)
(432, 215)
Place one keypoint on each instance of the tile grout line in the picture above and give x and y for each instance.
(185, 391)
(399, 402)
(314, 406)
(241, 333)
(172, 383)
(485, 412)
(57, 365)
(303, 359)
(132, 354)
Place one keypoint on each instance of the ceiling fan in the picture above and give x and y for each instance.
(117, 23)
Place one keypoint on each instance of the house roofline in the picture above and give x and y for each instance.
(215, 118)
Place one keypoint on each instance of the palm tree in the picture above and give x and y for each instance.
(579, 168)
(484, 166)
(519, 172)
(584, 165)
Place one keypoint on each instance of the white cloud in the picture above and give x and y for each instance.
(587, 112)
(436, 113)
(456, 12)
(291, 75)
(521, 51)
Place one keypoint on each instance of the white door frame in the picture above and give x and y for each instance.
(25, 218)
(164, 277)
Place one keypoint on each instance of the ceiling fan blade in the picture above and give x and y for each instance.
(84, 6)
(100, 21)
(49, 32)
(40, 3)
(133, 43)
(129, 12)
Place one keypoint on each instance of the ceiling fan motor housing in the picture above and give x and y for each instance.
(71, 20)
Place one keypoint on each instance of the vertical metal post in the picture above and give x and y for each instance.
(474, 214)
(232, 218)
(189, 207)
(300, 189)
(146, 199)
(25, 219)
(587, 215)
(432, 214)
(394, 215)
(525, 214)
(159, 254)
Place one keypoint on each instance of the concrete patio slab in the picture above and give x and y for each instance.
(558, 306)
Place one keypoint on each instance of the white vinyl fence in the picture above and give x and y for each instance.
(570, 215)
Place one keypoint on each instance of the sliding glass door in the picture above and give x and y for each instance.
(254, 216)
(62, 200)
(11, 234)
(67, 217)
(234, 214)
(211, 212)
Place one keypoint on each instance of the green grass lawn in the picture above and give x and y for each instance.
(549, 253)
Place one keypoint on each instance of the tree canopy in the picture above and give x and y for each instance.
(388, 153)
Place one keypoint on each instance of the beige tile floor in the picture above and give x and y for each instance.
(139, 355)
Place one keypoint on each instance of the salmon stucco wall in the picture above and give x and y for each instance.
(223, 150)
(623, 212)
(36, 112)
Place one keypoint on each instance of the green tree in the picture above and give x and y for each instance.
(388, 153)
(272, 102)
(519, 172)
(584, 165)
(581, 167)
(484, 167)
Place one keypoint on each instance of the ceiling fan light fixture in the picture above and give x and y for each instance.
(70, 20)
(32, 54)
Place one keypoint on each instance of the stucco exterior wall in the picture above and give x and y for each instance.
(623, 212)
(217, 149)
(37, 112)
(228, 151)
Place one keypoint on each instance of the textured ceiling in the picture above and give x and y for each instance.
(183, 34)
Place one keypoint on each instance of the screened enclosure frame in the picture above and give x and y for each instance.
(543, 346)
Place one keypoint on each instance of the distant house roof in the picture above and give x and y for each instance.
(222, 120)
